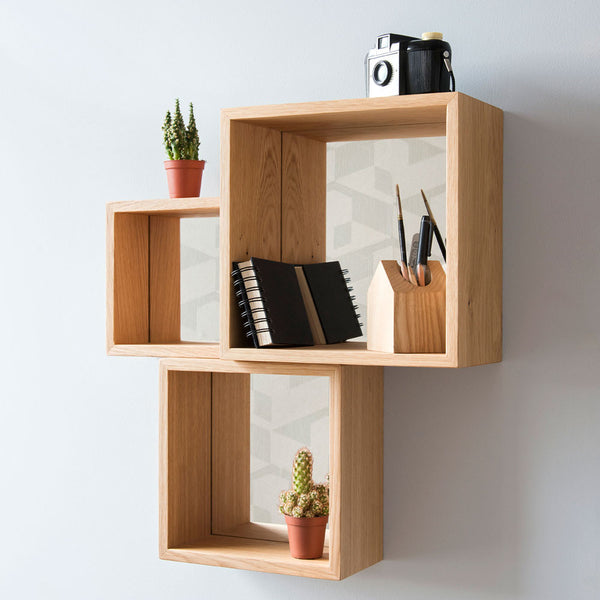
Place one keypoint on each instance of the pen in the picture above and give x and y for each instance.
(403, 265)
(412, 260)
(423, 273)
(438, 235)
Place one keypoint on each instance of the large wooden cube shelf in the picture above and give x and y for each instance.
(143, 278)
(273, 179)
(205, 469)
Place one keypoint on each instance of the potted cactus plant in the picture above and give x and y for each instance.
(305, 508)
(184, 170)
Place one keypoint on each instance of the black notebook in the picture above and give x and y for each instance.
(294, 305)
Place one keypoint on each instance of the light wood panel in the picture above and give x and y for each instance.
(165, 296)
(346, 353)
(251, 215)
(231, 451)
(185, 457)
(181, 349)
(474, 197)
(252, 555)
(174, 207)
(230, 366)
(385, 132)
(303, 199)
(402, 317)
(127, 278)
(321, 118)
(357, 431)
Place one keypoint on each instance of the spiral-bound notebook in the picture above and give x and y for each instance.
(294, 305)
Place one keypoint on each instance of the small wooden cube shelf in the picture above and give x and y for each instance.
(143, 279)
(273, 191)
(205, 469)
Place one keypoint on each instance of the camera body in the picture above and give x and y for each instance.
(401, 64)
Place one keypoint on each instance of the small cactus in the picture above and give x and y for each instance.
(181, 143)
(306, 499)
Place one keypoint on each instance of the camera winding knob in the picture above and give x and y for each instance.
(432, 35)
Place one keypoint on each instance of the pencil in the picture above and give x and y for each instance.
(403, 265)
(438, 235)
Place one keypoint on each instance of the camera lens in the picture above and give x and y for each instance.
(382, 72)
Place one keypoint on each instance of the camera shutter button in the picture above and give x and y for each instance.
(382, 72)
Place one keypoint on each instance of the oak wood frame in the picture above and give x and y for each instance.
(273, 206)
(143, 278)
(204, 489)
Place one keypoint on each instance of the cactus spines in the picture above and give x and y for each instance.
(181, 143)
(306, 499)
(302, 472)
(167, 135)
(192, 135)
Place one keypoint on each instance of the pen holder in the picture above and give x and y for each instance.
(405, 318)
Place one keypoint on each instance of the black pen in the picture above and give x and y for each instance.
(438, 235)
(423, 274)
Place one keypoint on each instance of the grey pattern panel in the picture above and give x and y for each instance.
(286, 413)
(362, 225)
(200, 279)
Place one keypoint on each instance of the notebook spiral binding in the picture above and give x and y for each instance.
(347, 279)
(249, 321)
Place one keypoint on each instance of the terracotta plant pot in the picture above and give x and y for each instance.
(306, 536)
(184, 177)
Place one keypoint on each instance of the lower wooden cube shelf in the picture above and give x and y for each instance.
(205, 469)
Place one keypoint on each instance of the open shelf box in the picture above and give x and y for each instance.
(273, 179)
(205, 469)
(143, 277)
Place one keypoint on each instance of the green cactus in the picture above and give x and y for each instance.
(181, 143)
(302, 471)
(306, 499)
(192, 135)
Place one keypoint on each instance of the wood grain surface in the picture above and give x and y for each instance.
(474, 217)
(127, 278)
(303, 199)
(184, 457)
(251, 209)
(230, 451)
(165, 286)
(406, 318)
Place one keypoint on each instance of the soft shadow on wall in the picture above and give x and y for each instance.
(481, 463)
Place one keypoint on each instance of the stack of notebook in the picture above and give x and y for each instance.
(294, 305)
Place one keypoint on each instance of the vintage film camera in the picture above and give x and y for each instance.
(400, 64)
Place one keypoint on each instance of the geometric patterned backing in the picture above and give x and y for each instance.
(362, 213)
(200, 279)
(286, 413)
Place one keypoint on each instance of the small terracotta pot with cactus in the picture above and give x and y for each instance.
(184, 170)
(306, 509)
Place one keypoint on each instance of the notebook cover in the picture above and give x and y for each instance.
(332, 299)
(280, 293)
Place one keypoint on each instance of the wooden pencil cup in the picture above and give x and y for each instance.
(405, 318)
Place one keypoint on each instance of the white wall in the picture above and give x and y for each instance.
(491, 474)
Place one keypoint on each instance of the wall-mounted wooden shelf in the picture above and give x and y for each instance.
(273, 180)
(205, 469)
(143, 280)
